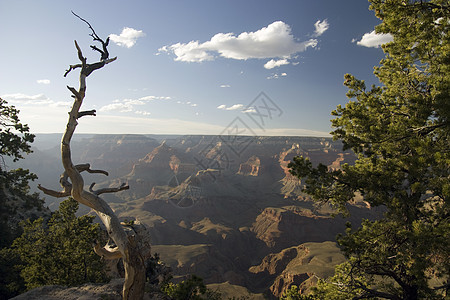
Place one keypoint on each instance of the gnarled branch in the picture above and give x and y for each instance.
(122, 187)
(72, 67)
(54, 193)
(104, 54)
(107, 252)
(86, 113)
(66, 185)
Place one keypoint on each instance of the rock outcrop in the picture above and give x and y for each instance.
(300, 265)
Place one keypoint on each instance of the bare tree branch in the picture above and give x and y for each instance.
(87, 168)
(107, 252)
(65, 184)
(104, 54)
(73, 90)
(122, 187)
(72, 67)
(54, 193)
(87, 113)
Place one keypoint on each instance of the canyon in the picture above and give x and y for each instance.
(224, 207)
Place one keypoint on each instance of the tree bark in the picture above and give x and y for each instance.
(132, 241)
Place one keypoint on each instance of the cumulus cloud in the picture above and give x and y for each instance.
(34, 100)
(233, 107)
(190, 52)
(23, 97)
(189, 103)
(274, 41)
(43, 81)
(225, 86)
(321, 27)
(239, 107)
(127, 105)
(38, 99)
(141, 112)
(276, 63)
(276, 76)
(121, 107)
(249, 110)
(150, 98)
(374, 40)
(127, 37)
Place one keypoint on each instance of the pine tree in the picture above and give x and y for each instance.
(15, 141)
(400, 133)
(60, 251)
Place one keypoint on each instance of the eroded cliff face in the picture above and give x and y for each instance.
(251, 167)
(282, 227)
(300, 265)
(217, 210)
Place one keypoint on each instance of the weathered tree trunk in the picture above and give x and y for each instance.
(132, 241)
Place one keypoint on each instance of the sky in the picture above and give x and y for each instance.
(253, 67)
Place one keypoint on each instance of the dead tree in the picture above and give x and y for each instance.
(131, 240)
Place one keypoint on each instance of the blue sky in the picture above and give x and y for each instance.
(188, 67)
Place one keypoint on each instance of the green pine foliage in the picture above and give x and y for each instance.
(400, 132)
(294, 293)
(11, 283)
(14, 136)
(192, 288)
(15, 141)
(60, 251)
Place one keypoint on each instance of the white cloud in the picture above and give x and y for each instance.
(276, 63)
(121, 107)
(33, 101)
(225, 86)
(125, 105)
(276, 76)
(374, 40)
(249, 110)
(321, 27)
(43, 81)
(232, 107)
(235, 107)
(190, 52)
(19, 98)
(24, 98)
(141, 112)
(150, 98)
(127, 37)
(275, 40)
(128, 105)
(187, 103)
